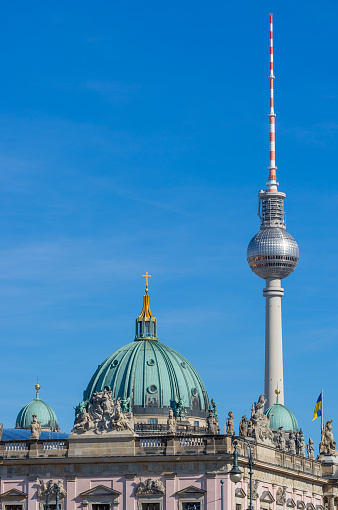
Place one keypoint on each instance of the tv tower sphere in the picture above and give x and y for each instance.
(273, 253)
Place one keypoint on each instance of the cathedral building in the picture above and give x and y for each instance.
(146, 434)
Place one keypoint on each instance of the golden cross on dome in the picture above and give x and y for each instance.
(146, 276)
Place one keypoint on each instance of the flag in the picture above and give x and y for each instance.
(318, 407)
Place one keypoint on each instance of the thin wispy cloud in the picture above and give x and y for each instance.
(112, 91)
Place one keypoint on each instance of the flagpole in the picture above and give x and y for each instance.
(322, 418)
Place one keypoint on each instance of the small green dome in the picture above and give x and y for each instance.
(44, 412)
(282, 417)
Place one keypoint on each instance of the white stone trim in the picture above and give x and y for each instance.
(148, 499)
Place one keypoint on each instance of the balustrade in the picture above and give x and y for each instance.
(15, 446)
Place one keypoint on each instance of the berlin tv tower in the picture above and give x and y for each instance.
(272, 255)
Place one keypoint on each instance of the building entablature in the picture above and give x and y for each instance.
(269, 462)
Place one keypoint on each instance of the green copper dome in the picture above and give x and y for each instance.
(282, 417)
(44, 412)
(152, 374)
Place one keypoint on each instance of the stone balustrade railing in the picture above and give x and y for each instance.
(164, 444)
(15, 446)
(33, 449)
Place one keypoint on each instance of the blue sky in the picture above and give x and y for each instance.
(133, 138)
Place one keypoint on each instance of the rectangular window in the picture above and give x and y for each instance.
(13, 507)
(196, 423)
(153, 421)
(238, 506)
(150, 506)
(192, 506)
(101, 507)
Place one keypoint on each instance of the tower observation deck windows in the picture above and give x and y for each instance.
(272, 212)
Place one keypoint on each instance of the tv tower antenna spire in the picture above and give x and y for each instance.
(272, 255)
(272, 183)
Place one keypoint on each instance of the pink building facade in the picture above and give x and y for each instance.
(172, 474)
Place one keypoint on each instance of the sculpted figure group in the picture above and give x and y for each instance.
(328, 445)
(261, 422)
(104, 415)
(151, 486)
(51, 488)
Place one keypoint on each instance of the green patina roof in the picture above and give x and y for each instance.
(153, 375)
(282, 417)
(44, 412)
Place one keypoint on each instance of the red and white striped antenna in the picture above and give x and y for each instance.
(272, 183)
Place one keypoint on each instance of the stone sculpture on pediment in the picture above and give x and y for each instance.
(35, 428)
(51, 488)
(243, 426)
(281, 496)
(1, 430)
(261, 422)
(328, 445)
(151, 486)
(310, 449)
(104, 414)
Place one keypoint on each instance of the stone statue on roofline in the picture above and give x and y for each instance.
(328, 445)
(280, 439)
(214, 407)
(300, 443)
(35, 428)
(1, 430)
(104, 414)
(178, 407)
(243, 426)
(230, 424)
(261, 422)
(212, 423)
(250, 429)
(171, 422)
(292, 443)
(310, 449)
